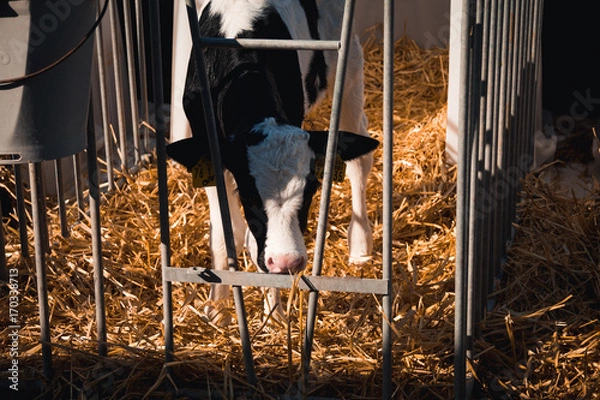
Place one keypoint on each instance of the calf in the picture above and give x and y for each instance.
(260, 98)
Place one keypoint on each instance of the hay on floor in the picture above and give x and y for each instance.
(542, 337)
(346, 355)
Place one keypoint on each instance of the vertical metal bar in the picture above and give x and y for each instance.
(3, 265)
(21, 211)
(514, 98)
(485, 171)
(481, 199)
(488, 169)
(78, 180)
(43, 211)
(94, 199)
(60, 195)
(108, 143)
(503, 218)
(133, 105)
(38, 215)
(211, 127)
(143, 84)
(497, 184)
(462, 207)
(533, 39)
(113, 18)
(522, 116)
(346, 36)
(388, 162)
(476, 211)
(163, 192)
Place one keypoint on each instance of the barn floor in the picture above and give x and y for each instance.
(541, 341)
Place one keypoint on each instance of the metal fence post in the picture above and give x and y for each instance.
(388, 190)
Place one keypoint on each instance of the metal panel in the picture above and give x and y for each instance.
(498, 81)
(36, 179)
(315, 283)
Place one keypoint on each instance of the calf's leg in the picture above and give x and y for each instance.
(353, 119)
(217, 308)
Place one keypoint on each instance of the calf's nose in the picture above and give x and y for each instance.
(285, 263)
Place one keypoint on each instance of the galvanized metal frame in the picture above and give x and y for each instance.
(36, 179)
(499, 52)
(315, 282)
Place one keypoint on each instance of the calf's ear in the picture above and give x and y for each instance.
(187, 152)
(349, 145)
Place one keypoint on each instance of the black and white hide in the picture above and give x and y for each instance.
(260, 98)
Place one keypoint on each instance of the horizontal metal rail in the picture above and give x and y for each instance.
(312, 283)
(271, 44)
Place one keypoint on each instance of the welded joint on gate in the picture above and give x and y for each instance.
(347, 284)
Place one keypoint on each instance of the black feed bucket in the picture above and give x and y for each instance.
(44, 116)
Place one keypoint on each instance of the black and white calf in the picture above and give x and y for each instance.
(260, 99)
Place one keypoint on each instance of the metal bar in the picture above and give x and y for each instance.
(488, 249)
(484, 174)
(78, 180)
(38, 215)
(346, 36)
(497, 183)
(143, 86)
(43, 211)
(211, 127)
(479, 197)
(532, 75)
(21, 211)
(305, 282)
(163, 192)
(505, 186)
(3, 264)
(522, 67)
(477, 136)
(108, 142)
(94, 200)
(113, 17)
(388, 190)
(281, 44)
(60, 195)
(462, 207)
(514, 98)
(133, 105)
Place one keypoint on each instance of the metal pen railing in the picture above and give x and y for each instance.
(500, 55)
(315, 282)
(37, 174)
(130, 49)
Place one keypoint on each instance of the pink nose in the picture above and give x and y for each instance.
(285, 263)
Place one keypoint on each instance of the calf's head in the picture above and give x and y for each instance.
(274, 168)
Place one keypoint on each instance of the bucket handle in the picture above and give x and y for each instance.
(19, 80)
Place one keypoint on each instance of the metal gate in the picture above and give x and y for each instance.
(498, 107)
(128, 53)
(314, 283)
(133, 142)
(500, 58)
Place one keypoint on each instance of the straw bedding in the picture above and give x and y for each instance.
(543, 338)
(522, 347)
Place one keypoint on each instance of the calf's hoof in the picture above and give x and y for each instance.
(273, 310)
(218, 315)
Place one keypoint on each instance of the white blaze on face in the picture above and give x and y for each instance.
(279, 165)
(237, 15)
